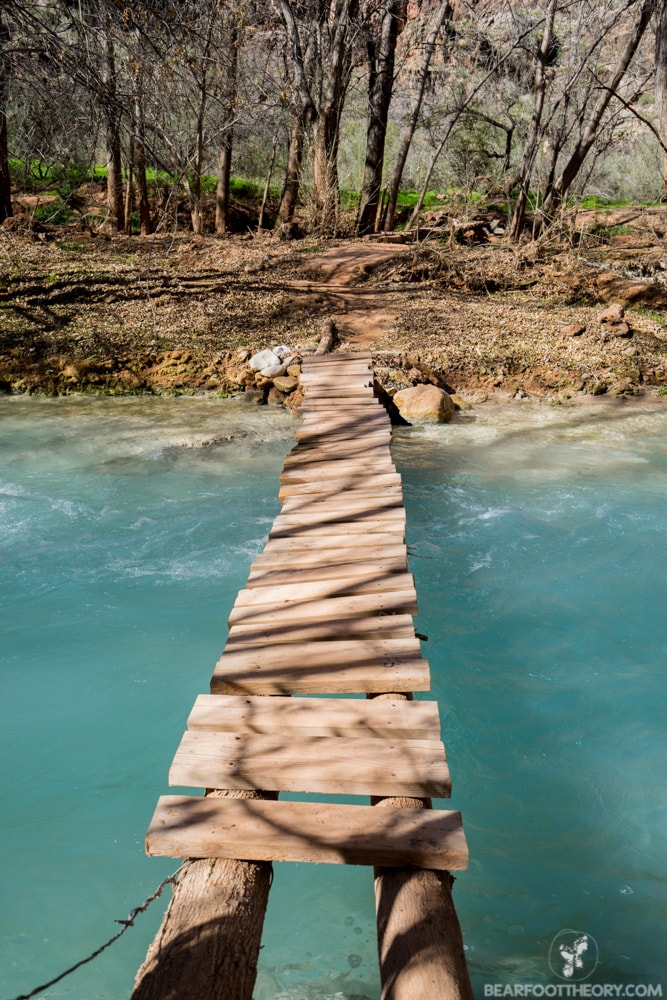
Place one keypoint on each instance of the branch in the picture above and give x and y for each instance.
(632, 111)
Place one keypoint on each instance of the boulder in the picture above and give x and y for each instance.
(286, 383)
(264, 359)
(282, 351)
(424, 404)
(617, 329)
(612, 314)
(271, 371)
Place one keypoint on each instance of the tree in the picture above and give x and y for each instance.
(444, 14)
(534, 132)
(661, 77)
(231, 43)
(589, 126)
(328, 31)
(5, 72)
(381, 57)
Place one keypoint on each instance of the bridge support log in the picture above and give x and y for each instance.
(209, 940)
(420, 945)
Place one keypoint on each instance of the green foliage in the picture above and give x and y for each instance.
(56, 213)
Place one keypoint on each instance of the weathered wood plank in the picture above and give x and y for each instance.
(342, 389)
(316, 716)
(354, 577)
(331, 608)
(359, 666)
(337, 765)
(303, 456)
(347, 483)
(332, 489)
(376, 627)
(380, 430)
(342, 504)
(330, 516)
(321, 471)
(349, 529)
(278, 594)
(351, 445)
(277, 551)
(375, 545)
(184, 826)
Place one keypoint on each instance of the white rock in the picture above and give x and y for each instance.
(282, 351)
(271, 371)
(263, 360)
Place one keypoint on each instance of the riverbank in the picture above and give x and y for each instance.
(183, 315)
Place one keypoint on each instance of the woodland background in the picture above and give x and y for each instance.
(335, 115)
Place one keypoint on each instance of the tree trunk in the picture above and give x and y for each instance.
(267, 184)
(290, 193)
(535, 132)
(325, 170)
(406, 139)
(6, 210)
(209, 941)
(129, 188)
(336, 70)
(661, 80)
(564, 180)
(222, 191)
(420, 945)
(419, 936)
(145, 220)
(222, 194)
(380, 89)
(112, 118)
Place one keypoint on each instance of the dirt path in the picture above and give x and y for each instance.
(361, 314)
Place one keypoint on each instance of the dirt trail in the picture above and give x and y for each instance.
(361, 314)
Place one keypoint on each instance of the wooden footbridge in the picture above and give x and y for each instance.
(326, 615)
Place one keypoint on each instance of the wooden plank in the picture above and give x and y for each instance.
(328, 516)
(338, 399)
(338, 765)
(318, 832)
(359, 666)
(338, 357)
(355, 488)
(328, 542)
(395, 528)
(351, 444)
(280, 550)
(337, 435)
(373, 627)
(320, 471)
(385, 575)
(277, 594)
(345, 502)
(346, 414)
(356, 606)
(282, 560)
(316, 716)
(342, 388)
(356, 484)
(308, 456)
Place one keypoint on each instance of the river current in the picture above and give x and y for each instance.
(537, 539)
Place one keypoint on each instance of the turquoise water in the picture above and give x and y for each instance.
(537, 541)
